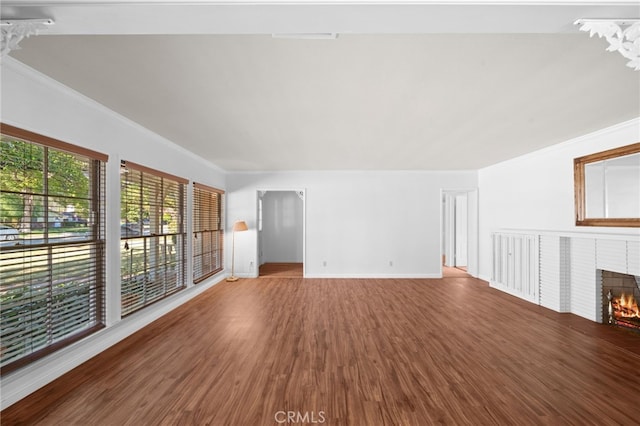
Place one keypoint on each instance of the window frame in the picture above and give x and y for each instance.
(152, 243)
(95, 244)
(197, 229)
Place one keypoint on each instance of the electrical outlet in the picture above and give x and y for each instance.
(324, 263)
(251, 266)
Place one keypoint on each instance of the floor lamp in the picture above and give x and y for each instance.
(239, 226)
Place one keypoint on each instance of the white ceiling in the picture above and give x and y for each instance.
(429, 86)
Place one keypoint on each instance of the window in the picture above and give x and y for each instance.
(51, 245)
(207, 231)
(152, 235)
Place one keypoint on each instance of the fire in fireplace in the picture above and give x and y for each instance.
(624, 310)
(622, 293)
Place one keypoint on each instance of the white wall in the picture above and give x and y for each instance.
(39, 104)
(449, 228)
(362, 224)
(461, 230)
(535, 191)
(282, 227)
(472, 227)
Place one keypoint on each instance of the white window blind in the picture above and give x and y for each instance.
(51, 245)
(152, 235)
(207, 231)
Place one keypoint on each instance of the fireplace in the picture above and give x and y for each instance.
(620, 297)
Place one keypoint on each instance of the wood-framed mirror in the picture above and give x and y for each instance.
(607, 187)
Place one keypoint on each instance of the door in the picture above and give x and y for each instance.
(460, 229)
(281, 226)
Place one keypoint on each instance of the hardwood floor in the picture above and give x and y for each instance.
(449, 272)
(281, 270)
(352, 352)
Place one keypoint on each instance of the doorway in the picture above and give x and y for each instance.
(459, 227)
(281, 233)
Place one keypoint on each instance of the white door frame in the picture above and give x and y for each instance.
(446, 197)
(303, 193)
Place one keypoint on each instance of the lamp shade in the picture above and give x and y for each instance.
(240, 225)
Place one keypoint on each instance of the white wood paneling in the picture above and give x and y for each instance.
(633, 257)
(565, 274)
(568, 264)
(550, 272)
(555, 291)
(611, 255)
(531, 281)
(585, 299)
(515, 265)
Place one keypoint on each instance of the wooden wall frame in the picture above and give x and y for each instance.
(580, 191)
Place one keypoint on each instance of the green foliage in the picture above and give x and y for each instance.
(68, 175)
(9, 205)
(146, 204)
(21, 166)
(20, 304)
(130, 208)
(23, 179)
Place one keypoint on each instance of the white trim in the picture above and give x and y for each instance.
(504, 289)
(484, 278)
(246, 275)
(327, 2)
(473, 256)
(633, 233)
(348, 171)
(376, 276)
(304, 227)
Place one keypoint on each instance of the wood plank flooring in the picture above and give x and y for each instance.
(281, 270)
(450, 272)
(362, 352)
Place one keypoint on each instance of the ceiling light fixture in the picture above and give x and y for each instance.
(15, 30)
(623, 35)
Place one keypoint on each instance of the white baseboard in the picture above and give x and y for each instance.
(484, 278)
(511, 292)
(375, 276)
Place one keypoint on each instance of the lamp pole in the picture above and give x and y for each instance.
(238, 226)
